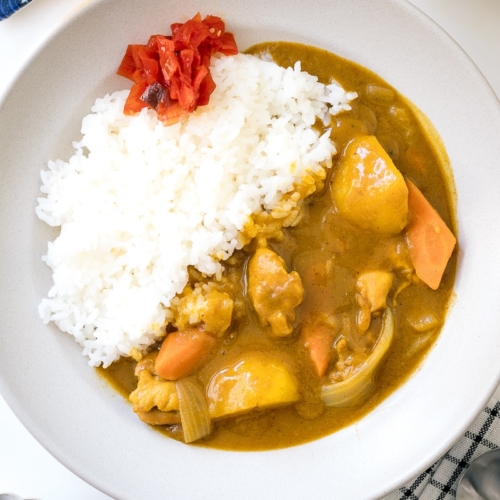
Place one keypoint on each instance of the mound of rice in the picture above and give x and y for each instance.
(139, 202)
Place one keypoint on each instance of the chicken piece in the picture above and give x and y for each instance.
(373, 288)
(343, 366)
(273, 291)
(218, 312)
(213, 308)
(152, 391)
(395, 255)
(158, 417)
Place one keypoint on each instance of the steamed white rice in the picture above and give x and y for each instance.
(139, 202)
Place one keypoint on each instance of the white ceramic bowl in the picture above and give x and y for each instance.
(92, 430)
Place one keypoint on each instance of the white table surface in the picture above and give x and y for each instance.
(26, 469)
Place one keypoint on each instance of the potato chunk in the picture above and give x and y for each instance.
(369, 190)
(255, 380)
(273, 291)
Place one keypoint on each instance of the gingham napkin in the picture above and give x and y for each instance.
(8, 7)
(439, 482)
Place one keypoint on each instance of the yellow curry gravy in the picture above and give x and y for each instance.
(379, 110)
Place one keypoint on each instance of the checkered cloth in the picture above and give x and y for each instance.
(8, 7)
(439, 482)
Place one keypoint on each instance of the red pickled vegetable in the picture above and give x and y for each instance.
(171, 74)
(134, 101)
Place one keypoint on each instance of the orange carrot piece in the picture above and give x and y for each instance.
(182, 352)
(430, 241)
(318, 340)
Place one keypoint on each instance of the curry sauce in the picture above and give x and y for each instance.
(329, 254)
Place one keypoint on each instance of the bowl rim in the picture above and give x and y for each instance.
(11, 397)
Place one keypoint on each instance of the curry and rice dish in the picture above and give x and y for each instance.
(257, 258)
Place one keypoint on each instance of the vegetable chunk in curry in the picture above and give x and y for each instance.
(325, 311)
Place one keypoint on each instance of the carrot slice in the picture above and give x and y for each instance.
(182, 352)
(318, 340)
(430, 241)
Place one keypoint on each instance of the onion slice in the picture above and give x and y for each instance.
(349, 392)
(193, 409)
